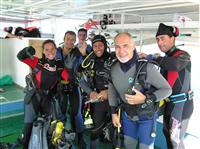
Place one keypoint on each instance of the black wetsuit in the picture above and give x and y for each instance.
(71, 92)
(176, 68)
(46, 78)
(99, 110)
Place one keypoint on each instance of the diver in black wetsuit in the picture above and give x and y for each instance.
(97, 87)
(71, 92)
(49, 71)
(176, 68)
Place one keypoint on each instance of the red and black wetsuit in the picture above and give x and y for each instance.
(176, 68)
(48, 73)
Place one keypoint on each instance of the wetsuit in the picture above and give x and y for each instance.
(176, 68)
(46, 78)
(99, 110)
(71, 93)
(136, 126)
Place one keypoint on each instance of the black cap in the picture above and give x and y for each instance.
(167, 30)
(101, 39)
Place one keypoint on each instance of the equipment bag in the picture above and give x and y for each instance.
(28, 32)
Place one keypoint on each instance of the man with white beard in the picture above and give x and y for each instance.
(138, 101)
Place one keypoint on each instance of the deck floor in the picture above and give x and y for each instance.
(11, 93)
(11, 123)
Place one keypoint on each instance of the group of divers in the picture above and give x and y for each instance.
(116, 96)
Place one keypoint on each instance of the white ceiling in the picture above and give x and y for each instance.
(149, 10)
